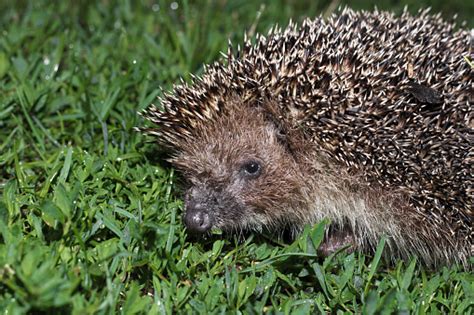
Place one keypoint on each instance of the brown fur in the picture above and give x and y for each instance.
(299, 185)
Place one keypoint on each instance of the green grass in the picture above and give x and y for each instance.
(90, 219)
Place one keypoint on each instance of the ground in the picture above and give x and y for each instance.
(90, 215)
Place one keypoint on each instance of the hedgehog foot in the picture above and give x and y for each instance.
(335, 241)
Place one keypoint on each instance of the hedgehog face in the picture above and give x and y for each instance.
(240, 174)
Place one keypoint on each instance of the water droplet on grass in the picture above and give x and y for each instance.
(174, 5)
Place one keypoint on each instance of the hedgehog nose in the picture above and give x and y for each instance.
(197, 221)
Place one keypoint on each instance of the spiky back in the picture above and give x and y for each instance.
(387, 96)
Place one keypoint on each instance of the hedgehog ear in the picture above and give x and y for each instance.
(283, 131)
(292, 139)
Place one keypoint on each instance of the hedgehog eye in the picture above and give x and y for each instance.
(252, 168)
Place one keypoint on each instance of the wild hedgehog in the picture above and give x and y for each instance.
(365, 118)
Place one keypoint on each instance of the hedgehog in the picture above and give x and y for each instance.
(364, 118)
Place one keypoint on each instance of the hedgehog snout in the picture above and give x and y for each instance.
(198, 216)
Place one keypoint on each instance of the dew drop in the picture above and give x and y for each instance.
(155, 7)
(174, 5)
